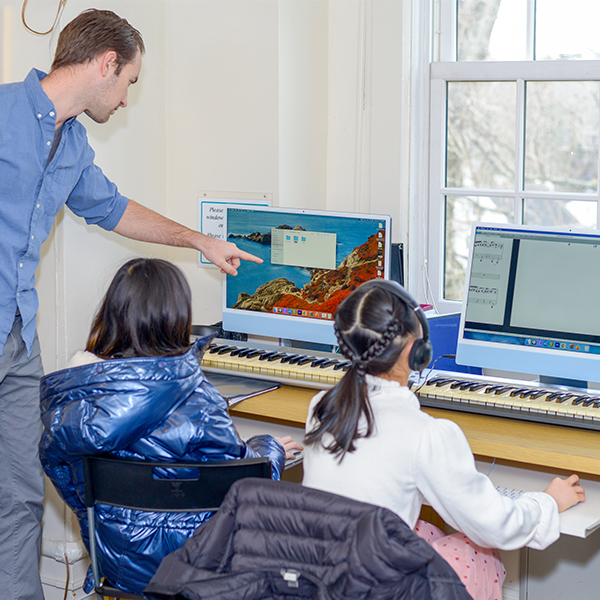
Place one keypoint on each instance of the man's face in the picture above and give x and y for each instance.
(112, 92)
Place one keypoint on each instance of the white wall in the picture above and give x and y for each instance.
(222, 113)
(304, 100)
(79, 260)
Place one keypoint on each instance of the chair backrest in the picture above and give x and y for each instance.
(165, 487)
(283, 540)
(160, 487)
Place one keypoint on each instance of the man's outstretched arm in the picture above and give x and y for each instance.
(141, 223)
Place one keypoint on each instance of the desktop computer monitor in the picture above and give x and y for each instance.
(312, 260)
(530, 302)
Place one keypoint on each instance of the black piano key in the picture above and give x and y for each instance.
(225, 350)
(216, 348)
(517, 392)
(289, 357)
(345, 365)
(306, 359)
(328, 363)
(475, 387)
(564, 397)
(317, 362)
(435, 380)
(493, 388)
(457, 384)
(580, 400)
(502, 389)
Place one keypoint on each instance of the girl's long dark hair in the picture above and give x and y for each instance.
(372, 326)
(147, 311)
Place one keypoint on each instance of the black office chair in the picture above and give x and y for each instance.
(134, 485)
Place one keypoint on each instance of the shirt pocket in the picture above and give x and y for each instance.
(60, 184)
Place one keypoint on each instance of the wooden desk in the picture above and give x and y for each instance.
(523, 443)
(525, 451)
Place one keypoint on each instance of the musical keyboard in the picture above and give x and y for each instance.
(511, 398)
(292, 366)
(478, 394)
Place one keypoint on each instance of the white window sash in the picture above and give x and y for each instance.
(520, 72)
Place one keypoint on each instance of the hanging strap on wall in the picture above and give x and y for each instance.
(59, 10)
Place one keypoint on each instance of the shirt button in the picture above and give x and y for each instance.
(39, 115)
(20, 265)
(32, 236)
(51, 113)
(48, 143)
(37, 205)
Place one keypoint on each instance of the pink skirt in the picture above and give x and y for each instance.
(480, 569)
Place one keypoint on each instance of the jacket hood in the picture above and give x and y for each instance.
(141, 392)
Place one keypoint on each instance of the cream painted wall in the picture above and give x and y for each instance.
(305, 100)
(131, 149)
(302, 100)
(222, 115)
(369, 109)
(79, 260)
(303, 106)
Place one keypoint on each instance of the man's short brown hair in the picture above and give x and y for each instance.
(94, 32)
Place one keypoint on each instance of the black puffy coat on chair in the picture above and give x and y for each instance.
(284, 541)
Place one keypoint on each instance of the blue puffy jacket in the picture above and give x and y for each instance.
(161, 409)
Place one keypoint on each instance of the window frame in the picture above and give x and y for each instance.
(440, 73)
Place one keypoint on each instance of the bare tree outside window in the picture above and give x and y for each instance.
(544, 172)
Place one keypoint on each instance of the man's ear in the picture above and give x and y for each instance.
(108, 63)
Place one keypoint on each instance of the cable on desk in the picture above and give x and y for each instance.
(430, 370)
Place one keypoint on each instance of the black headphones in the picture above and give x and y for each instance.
(422, 350)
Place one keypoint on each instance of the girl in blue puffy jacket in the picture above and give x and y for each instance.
(137, 391)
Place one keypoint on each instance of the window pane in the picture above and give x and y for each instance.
(562, 134)
(481, 135)
(567, 29)
(461, 212)
(492, 30)
(575, 213)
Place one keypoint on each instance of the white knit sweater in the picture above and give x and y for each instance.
(411, 458)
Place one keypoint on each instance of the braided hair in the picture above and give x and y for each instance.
(372, 326)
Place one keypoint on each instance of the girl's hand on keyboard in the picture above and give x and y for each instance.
(566, 492)
(289, 445)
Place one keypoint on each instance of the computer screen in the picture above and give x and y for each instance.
(312, 260)
(530, 302)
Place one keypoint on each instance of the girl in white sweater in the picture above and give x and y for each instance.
(368, 439)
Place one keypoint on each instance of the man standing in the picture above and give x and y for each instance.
(45, 162)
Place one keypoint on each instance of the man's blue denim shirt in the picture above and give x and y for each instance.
(31, 193)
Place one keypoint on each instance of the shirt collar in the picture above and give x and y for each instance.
(376, 384)
(41, 104)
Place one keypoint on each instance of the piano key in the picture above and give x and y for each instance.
(345, 365)
(226, 350)
(305, 359)
(289, 357)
